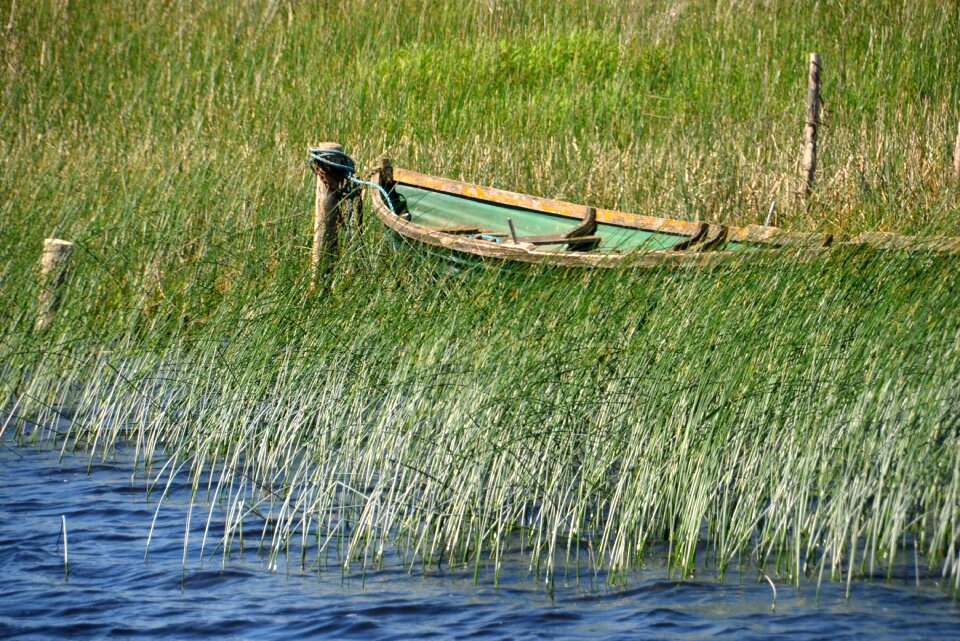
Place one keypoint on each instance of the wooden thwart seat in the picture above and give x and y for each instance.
(461, 231)
(692, 240)
(557, 239)
(580, 238)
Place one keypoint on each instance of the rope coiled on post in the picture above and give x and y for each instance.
(337, 160)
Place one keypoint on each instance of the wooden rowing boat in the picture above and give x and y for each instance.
(469, 219)
(465, 219)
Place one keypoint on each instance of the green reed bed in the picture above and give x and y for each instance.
(804, 413)
(796, 415)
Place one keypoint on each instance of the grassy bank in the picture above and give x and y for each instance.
(800, 414)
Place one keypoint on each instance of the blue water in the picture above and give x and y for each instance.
(112, 592)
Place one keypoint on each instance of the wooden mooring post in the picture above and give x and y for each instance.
(53, 271)
(811, 124)
(326, 215)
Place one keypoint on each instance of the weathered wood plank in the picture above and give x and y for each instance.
(558, 239)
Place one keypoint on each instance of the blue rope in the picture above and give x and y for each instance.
(345, 163)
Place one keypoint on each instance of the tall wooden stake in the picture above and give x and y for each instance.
(811, 124)
(53, 271)
(326, 215)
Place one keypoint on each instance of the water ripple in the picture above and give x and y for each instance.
(112, 592)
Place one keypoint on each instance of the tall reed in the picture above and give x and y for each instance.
(802, 414)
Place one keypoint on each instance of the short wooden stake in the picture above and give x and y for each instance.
(326, 215)
(53, 271)
(386, 173)
(956, 155)
(811, 124)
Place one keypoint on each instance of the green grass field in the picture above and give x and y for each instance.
(802, 417)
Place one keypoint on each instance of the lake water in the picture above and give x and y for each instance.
(112, 592)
